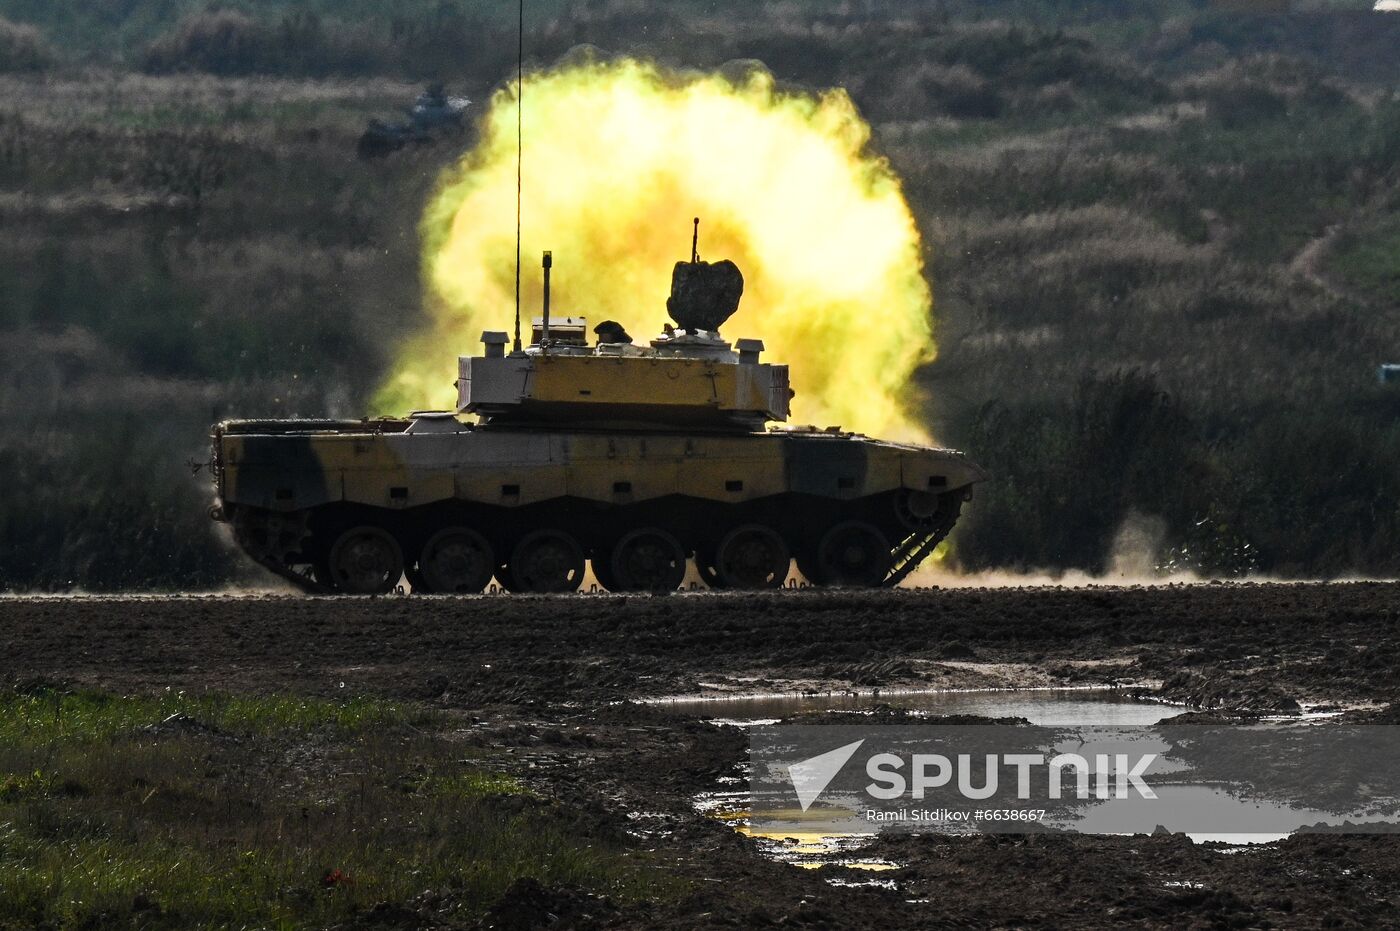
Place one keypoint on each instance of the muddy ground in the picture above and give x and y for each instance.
(546, 685)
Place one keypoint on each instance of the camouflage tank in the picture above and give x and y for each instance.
(433, 115)
(634, 459)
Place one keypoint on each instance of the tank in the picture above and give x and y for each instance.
(432, 115)
(637, 460)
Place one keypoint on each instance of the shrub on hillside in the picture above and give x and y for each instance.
(1012, 57)
(226, 42)
(955, 91)
(22, 48)
(448, 43)
(223, 42)
(444, 44)
(1267, 87)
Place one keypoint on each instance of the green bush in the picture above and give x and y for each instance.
(226, 42)
(1369, 260)
(443, 43)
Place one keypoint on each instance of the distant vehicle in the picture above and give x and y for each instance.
(433, 115)
(636, 458)
(1389, 373)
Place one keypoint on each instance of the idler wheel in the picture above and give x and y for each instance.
(752, 557)
(854, 554)
(365, 561)
(546, 562)
(270, 535)
(924, 510)
(648, 560)
(457, 561)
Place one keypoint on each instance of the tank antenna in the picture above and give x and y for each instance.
(544, 334)
(695, 243)
(519, 154)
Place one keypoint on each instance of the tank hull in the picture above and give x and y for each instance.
(631, 503)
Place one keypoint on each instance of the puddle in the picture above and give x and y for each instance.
(866, 883)
(1046, 707)
(809, 850)
(819, 848)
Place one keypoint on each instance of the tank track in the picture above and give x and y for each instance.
(906, 557)
(298, 578)
(281, 546)
(917, 547)
(273, 547)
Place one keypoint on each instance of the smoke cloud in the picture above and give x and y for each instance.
(618, 157)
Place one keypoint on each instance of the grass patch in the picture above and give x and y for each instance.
(472, 785)
(49, 715)
(1370, 261)
(278, 812)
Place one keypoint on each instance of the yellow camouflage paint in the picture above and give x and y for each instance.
(401, 469)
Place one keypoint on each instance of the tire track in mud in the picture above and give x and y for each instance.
(1220, 644)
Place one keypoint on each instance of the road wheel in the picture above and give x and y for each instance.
(365, 561)
(648, 560)
(854, 554)
(457, 561)
(547, 562)
(752, 557)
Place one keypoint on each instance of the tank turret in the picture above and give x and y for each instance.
(688, 377)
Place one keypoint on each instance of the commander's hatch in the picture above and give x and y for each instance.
(563, 331)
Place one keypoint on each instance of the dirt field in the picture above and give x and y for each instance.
(544, 684)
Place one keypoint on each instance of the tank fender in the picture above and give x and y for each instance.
(939, 471)
(276, 473)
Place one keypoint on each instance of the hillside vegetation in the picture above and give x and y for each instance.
(1161, 237)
